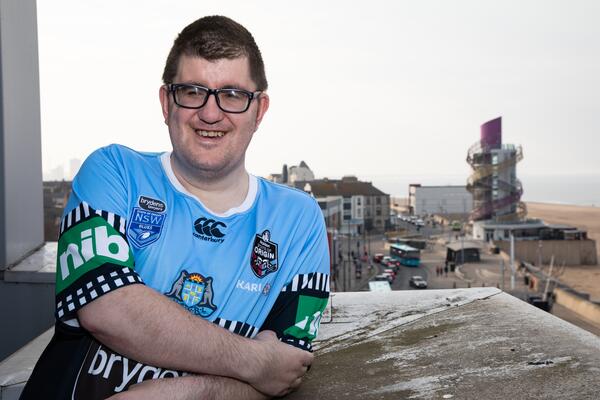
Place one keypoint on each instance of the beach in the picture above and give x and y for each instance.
(584, 278)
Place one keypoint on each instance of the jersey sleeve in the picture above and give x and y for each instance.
(93, 254)
(297, 312)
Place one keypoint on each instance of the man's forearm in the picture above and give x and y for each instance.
(191, 388)
(144, 325)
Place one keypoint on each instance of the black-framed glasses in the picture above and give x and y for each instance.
(235, 101)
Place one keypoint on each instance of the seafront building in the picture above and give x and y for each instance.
(449, 200)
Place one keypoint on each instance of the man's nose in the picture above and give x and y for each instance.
(210, 113)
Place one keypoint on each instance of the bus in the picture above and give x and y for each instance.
(407, 255)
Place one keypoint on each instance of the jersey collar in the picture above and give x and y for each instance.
(246, 204)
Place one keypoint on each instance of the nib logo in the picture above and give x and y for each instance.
(88, 245)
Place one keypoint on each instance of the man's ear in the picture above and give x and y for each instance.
(263, 106)
(163, 95)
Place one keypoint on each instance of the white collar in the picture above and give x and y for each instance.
(165, 159)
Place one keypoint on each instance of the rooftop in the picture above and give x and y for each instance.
(344, 187)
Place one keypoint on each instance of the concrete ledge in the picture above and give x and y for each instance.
(16, 369)
(583, 307)
(478, 343)
(40, 267)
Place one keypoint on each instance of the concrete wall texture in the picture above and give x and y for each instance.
(569, 252)
(21, 203)
(27, 310)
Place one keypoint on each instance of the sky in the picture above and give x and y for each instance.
(384, 90)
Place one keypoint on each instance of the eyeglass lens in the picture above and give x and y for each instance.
(232, 100)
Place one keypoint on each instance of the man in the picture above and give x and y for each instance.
(180, 275)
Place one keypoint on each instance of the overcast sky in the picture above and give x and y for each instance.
(373, 88)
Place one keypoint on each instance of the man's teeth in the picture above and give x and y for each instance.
(210, 133)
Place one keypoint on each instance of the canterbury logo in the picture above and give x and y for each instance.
(209, 229)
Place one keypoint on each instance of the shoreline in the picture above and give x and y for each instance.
(558, 203)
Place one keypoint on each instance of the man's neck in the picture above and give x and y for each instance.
(218, 194)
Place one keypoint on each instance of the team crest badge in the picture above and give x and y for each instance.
(146, 222)
(194, 292)
(264, 255)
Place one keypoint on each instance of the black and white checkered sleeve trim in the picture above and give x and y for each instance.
(237, 327)
(299, 343)
(93, 285)
(313, 281)
(84, 211)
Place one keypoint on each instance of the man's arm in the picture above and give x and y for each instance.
(140, 323)
(191, 388)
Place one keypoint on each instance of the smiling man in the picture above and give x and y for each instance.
(179, 274)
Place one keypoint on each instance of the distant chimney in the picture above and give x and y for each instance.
(284, 174)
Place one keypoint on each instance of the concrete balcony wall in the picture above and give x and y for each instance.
(21, 199)
(478, 343)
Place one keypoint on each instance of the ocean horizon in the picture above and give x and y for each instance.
(576, 189)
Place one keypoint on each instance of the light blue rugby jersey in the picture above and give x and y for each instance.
(263, 264)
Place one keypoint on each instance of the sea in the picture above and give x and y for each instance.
(581, 190)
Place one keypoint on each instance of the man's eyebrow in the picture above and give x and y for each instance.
(226, 86)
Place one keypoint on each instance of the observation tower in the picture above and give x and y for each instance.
(494, 185)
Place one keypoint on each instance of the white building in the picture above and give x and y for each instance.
(300, 173)
(441, 200)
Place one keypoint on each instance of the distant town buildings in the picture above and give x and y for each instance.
(300, 173)
(56, 194)
(292, 174)
(364, 207)
(74, 165)
(349, 206)
(439, 200)
(58, 173)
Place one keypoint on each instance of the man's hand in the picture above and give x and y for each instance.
(282, 366)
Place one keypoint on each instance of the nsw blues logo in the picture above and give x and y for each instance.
(264, 255)
(194, 292)
(146, 222)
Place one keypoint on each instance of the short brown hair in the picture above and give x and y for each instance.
(213, 38)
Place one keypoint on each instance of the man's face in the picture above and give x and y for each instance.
(209, 143)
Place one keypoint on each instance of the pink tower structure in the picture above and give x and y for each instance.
(493, 183)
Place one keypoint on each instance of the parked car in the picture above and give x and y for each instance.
(390, 276)
(390, 271)
(384, 277)
(377, 257)
(418, 282)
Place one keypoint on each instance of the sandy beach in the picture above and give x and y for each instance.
(582, 278)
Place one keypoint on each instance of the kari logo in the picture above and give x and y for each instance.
(253, 287)
(209, 230)
(263, 259)
(194, 292)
